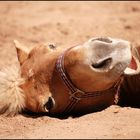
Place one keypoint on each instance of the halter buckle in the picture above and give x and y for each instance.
(76, 95)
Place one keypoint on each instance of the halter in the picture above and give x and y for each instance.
(75, 94)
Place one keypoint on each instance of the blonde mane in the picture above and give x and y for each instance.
(12, 99)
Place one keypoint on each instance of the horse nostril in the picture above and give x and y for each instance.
(50, 104)
(103, 39)
(102, 64)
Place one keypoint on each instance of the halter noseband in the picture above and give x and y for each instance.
(76, 94)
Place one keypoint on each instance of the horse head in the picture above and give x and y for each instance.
(94, 66)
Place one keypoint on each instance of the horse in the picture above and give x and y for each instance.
(78, 79)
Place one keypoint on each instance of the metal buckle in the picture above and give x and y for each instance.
(76, 95)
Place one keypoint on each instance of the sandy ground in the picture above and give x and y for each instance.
(67, 24)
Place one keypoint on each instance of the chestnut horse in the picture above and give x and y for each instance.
(79, 79)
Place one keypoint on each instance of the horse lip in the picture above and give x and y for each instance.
(133, 67)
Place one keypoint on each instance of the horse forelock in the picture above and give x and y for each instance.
(12, 99)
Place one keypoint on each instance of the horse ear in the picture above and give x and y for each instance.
(22, 51)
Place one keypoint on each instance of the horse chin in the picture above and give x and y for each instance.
(133, 68)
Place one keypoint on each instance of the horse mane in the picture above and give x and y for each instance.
(12, 99)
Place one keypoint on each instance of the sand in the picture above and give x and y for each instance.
(67, 24)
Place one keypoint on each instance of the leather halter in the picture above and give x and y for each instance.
(76, 94)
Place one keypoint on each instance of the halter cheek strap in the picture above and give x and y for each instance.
(76, 94)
